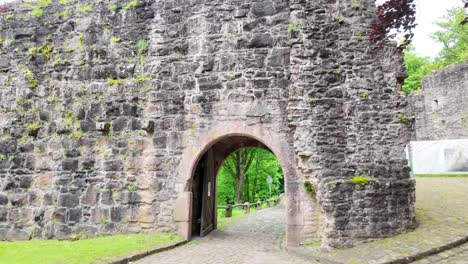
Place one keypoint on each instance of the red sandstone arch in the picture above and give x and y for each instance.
(225, 139)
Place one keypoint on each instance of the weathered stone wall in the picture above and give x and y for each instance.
(441, 109)
(93, 129)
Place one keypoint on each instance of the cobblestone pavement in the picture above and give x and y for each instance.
(442, 214)
(253, 239)
(458, 255)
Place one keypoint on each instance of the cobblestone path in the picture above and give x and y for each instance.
(253, 239)
(458, 255)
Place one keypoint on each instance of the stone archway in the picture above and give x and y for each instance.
(225, 139)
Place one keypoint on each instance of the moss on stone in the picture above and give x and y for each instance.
(34, 127)
(360, 180)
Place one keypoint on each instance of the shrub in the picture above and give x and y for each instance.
(115, 40)
(120, 83)
(294, 28)
(33, 128)
(143, 47)
(130, 5)
(86, 9)
(360, 180)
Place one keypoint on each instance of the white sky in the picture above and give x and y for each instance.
(428, 11)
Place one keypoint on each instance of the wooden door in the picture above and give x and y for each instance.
(208, 198)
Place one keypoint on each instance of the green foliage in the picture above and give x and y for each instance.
(143, 46)
(82, 41)
(45, 51)
(360, 180)
(417, 67)
(65, 14)
(406, 120)
(44, 3)
(263, 164)
(364, 95)
(3, 157)
(454, 38)
(115, 40)
(119, 82)
(32, 82)
(37, 8)
(337, 71)
(77, 135)
(86, 9)
(309, 188)
(130, 5)
(37, 12)
(294, 28)
(141, 79)
(132, 187)
(106, 130)
(63, 1)
(356, 4)
(113, 8)
(179, 56)
(34, 127)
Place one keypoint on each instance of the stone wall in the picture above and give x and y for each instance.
(100, 101)
(441, 109)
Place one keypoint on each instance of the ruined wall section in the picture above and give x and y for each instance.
(441, 108)
(74, 93)
(344, 108)
(100, 99)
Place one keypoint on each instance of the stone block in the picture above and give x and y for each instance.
(183, 207)
(68, 200)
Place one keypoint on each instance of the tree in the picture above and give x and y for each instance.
(237, 165)
(394, 17)
(417, 67)
(453, 36)
(262, 164)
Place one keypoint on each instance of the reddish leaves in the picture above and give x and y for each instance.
(4, 10)
(394, 17)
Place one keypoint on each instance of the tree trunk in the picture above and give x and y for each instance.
(240, 177)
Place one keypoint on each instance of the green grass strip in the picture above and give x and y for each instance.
(95, 250)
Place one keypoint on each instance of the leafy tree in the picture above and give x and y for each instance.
(261, 165)
(454, 38)
(394, 17)
(417, 67)
(453, 35)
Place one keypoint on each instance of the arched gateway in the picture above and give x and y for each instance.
(104, 115)
(214, 148)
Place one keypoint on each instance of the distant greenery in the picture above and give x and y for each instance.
(243, 177)
(454, 38)
(95, 250)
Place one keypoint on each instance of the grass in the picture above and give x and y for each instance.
(237, 213)
(442, 175)
(95, 250)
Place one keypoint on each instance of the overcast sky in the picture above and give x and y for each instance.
(428, 11)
